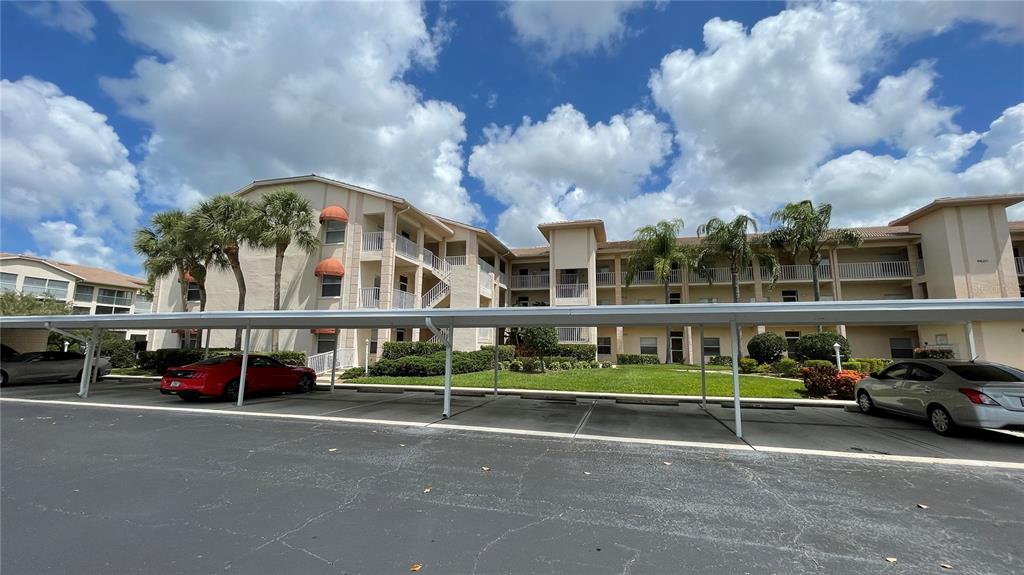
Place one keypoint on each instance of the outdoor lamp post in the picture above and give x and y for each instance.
(839, 361)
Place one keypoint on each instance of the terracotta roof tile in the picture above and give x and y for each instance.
(88, 274)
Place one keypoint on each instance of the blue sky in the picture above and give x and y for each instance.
(636, 111)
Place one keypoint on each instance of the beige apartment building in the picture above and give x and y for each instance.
(89, 290)
(379, 251)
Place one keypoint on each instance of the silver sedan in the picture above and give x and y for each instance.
(947, 393)
(47, 366)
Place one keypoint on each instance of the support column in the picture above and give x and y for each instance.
(448, 336)
(87, 364)
(246, 340)
(755, 270)
(734, 333)
(972, 350)
(496, 330)
(334, 359)
(703, 372)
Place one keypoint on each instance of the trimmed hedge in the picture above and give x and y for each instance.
(819, 346)
(787, 367)
(505, 352)
(932, 353)
(766, 347)
(720, 360)
(415, 365)
(748, 365)
(819, 363)
(868, 364)
(161, 359)
(576, 351)
(399, 349)
(636, 359)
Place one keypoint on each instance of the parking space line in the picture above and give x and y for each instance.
(584, 419)
(551, 434)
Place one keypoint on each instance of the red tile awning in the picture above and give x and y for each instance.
(334, 213)
(330, 267)
(184, 331)
(323, 331)
(188, 277)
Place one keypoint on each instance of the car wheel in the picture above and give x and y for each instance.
(231, 390)
(3, 378)
(942, 422)
(305, 384)
(865, 404)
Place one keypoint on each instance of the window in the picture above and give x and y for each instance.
(523, 301)
(189, 340)
(675, 297)
(400, 334)
(981, 372)
(83, 293)
(56, 289)
(901, 347)
(143, 303)
(712, 346)
(8, 282)
(330, 286)
(110, 309)
(645, 301)
(193, 292)
(324, 342)
(403, 283)
(649, 345)
(114, 297)
(373, 341)
(604, 346)
(334, 232)
(604, 301)
(707, 300)
(791, 337)
(923, 372)
(898, 371)
(80, 310)
(790, 295)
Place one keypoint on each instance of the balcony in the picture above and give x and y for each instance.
(456, 260)
(720, 276)
(440, 267)
(797, 273)
(486, 283)
(369, 297)
(114, 300)
(407, 248)
(573, 334)
(1020, 266)
(486, 267)
(648, 278)
(605, 279)
(874, 270)
(373, 241)
(531, 281)
(403, 300)
(919, 269)
(571, 292)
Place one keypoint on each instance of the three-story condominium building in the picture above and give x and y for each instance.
(380, 251)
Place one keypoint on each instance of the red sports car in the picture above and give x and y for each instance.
(219, 376)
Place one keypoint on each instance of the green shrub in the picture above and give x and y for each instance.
(606, 364)
(820, 381)
(819, 346)
(515, 365)
(581, 364)
(854, 365)
(120, 351)
(932, 353)
(766, 347)
(352, 373)
(765, 368)
(503, 365)
(532, 365)
(636, 359)
(556, 359)
(399, 349)
(552, 365)
(811, 363)
(576, 351)
(416, 366)
(288, 357)
(505, 352)
(720, 360)
(871, 364)
(540, 341)
(748, 365)
(787, 367)
(594, 364)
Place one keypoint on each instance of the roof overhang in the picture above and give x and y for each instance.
(1004, 200)
(873, 312)
(596, 225)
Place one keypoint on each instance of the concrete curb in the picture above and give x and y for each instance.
(837, 403)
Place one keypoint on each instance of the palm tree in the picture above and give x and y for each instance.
(657, 248)
(228, 220)
(806, 229)
(285, 218)
(732, 241)
(163, 247)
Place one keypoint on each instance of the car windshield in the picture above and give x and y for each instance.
(216, 360)
(983, 373)
(30, 356)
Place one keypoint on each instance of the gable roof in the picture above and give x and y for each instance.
(1004, 200)
(86, 274)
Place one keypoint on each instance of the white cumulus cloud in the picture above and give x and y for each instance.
(559, 28)
(65, 15)
(245, 91)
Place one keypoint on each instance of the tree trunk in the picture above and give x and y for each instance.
(735, 286)
(668, 332)
(202, 308)
(183, 288)
(278, 264)
(814, 260)
(236, 268)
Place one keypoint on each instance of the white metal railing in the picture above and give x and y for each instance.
(406, 248)
(573, 334)
(605, 278)
(919, 268)
(1020, 265)
(455, 260)
(439, 264)
(403, 300)
(143, 305)
(503, 278)
(798, 272)
(875, 270)
(530, 281)
(373, 241)
(571, 291)
(321, 362)
(724, 275)
(435, 294)
(369, 297)
(486, 283)
(486, 267)
(648, 278)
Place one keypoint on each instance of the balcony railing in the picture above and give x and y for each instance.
(456, 260)
(114, 300)
(798, 272)
(875, 270)
(143, 306)
(406, 248)
(571, 291)
(1020, 265)
(573, 334)
(486, 283)
(919, 268)
(721, 275)
(530, 281)
(605, 278)
(442, 267)
(403, 300)
(648, 278)
(369, 297)
(503, 278)
(373, 241)
(321, 362)
(485, 267)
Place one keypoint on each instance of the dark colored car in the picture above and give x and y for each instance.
(219, 377)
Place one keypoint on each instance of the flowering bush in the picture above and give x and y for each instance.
(827, 381)
(845, 382)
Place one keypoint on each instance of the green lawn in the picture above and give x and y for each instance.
(660, 379)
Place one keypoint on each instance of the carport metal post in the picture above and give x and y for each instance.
(334, 359)
(448, 336)
(83, 385)
(94, 369)
(245, 366)
(971, 350)
(206, 345)
(496, 361)
(703, 373)
(734, 336)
